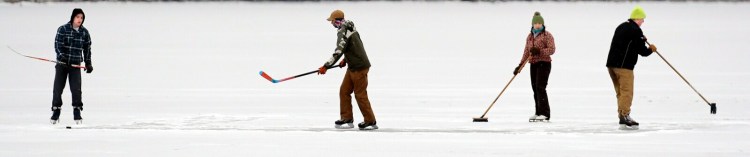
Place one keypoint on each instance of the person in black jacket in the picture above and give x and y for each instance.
(627, 43)
(72, 46)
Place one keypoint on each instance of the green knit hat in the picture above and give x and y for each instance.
(537, 18)
(638, 13)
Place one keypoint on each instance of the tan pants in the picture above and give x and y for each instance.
(356, 82)
(623, 81)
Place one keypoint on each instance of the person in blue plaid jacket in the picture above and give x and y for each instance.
(72, 46)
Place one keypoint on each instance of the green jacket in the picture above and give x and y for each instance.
(350, 45)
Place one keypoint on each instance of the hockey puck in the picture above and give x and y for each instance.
(68, 127)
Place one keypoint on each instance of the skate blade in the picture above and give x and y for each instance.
(625, 127)
(373, 127)
(54, 121)
(537, 120)
(347, 126)
(78, 122)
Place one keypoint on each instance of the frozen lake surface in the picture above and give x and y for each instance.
(181, 79)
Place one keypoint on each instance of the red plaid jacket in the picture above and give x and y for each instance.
(545, 42)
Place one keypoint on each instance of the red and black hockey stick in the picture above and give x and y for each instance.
(43, 59)
(269, 78)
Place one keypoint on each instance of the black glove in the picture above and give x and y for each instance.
(515, 71)
(535, 51)
(89, 67)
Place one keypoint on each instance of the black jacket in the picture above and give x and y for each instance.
(627, 43)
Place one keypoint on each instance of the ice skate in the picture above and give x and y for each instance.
(344, 124)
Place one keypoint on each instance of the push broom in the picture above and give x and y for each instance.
(712, 105)
(483, 118)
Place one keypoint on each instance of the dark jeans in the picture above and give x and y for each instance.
(539, 77)
(62, 73)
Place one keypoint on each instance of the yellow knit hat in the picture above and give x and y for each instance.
(638, 13)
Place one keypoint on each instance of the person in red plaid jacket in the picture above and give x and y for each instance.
(540, 45)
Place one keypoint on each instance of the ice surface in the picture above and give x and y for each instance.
(181, 79)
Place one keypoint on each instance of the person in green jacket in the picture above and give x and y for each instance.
(355, 80)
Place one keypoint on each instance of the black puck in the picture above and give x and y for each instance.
(68, 127)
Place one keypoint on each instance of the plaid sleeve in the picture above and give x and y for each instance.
(59, 40)
(527, 49)
(87, 48)
(550, 43)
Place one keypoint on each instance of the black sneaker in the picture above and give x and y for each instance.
(340, 124)
(77, 114)
(368, 126)
(55, 115)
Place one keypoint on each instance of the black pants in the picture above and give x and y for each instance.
(539, 77)
(63, 73)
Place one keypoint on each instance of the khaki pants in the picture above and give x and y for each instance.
(356, 82)
(623, 81)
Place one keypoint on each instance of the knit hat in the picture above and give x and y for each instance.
(336, 14)
(77, 11)
(638, 13)
(537, 19)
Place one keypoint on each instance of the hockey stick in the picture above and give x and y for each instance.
(42, 59)
(269, 78)
(484, 119)
(713, 105)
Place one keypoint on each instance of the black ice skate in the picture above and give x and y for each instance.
(55, 115)
(77, 115)
(539, 118)
(367, 126)
(344, 124)
(627, 123)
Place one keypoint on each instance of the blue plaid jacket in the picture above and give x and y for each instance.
(71, 46)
